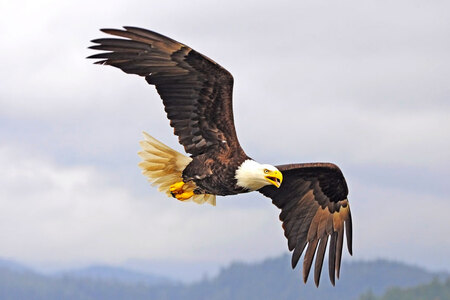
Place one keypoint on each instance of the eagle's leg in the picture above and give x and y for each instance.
(181, 190)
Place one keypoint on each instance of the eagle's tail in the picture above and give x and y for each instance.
(164, 166)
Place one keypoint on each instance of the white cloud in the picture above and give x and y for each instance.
(53, 213)
(375, 92)
(61, 215)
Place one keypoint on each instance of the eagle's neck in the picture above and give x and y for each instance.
(248, 175)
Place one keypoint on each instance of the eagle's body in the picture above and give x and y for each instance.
(197, 96)
(215, 174)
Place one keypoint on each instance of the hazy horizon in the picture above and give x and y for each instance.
(186, 272)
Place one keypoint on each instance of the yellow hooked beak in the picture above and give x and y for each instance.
(274, 177)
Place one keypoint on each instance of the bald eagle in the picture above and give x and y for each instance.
(197, 97)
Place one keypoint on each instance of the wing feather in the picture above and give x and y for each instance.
(332, 257)
(319, 259)
(195, 90)
(314, 210)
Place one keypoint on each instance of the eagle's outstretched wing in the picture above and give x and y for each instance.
(314, 208)
(196, 91)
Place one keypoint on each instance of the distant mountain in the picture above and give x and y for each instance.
(274, 279)
(12, 265)
(114, 274)
(32, 286)
(270, 279)
(179, 270)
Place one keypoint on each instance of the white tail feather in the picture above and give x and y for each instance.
(164, 166)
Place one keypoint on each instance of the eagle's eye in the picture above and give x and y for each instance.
(266, 171)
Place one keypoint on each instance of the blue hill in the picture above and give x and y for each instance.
(270, 279)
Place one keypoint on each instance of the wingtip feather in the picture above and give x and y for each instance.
(349, 232)
(308, 259)
(319, 259)
(332, 258)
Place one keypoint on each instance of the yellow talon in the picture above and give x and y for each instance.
(181, 190)
(184, 196)
(177, 187)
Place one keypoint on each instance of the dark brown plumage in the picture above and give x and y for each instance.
(314, 208)
(197, 95)
(194, 89)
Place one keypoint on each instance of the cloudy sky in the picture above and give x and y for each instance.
(362, 84)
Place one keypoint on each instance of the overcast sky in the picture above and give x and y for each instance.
(363, 84)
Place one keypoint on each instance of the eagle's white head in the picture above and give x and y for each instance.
(253, 176)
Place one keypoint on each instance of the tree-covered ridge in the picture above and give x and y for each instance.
(270, 279)
(435, 290)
